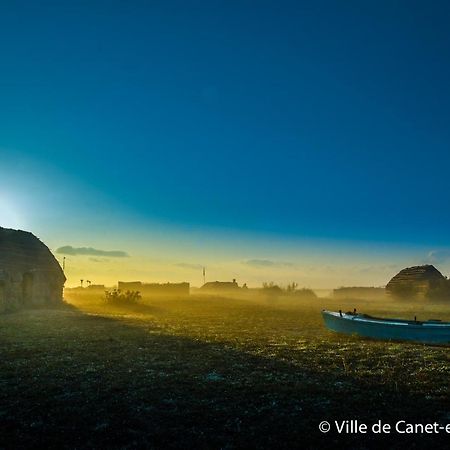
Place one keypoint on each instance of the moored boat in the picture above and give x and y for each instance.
(428, 332)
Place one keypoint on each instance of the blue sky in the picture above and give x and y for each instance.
(291, 128)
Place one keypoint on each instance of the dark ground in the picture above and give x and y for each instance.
(211, 373)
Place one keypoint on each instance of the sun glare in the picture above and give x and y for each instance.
(9, 216)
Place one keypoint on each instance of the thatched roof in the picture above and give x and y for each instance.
(419, 275)
(21, 251)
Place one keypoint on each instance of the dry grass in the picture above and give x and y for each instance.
(210, 373)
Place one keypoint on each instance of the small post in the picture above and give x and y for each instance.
(340, 312)
(204, 275)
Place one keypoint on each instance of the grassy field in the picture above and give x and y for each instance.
(211, 373)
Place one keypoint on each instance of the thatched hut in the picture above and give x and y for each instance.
(29, 273)
(414, 281)
(220, 287)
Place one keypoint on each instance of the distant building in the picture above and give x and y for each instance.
(414, 281)
(29, 273)
(220, 287)
(155, 288)
(96, 287)
(129, 285)
(369, 293)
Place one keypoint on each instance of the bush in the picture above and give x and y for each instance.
(273, 291)
(116, 296)
(303, 294)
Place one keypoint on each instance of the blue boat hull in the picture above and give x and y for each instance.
(431, 332)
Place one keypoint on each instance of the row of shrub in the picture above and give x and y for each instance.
(118, 297)
(273, 290)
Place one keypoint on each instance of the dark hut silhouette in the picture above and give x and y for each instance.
(414, 282)
(29, 273)
(216, 287)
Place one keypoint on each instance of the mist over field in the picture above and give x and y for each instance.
(212, 371)
(224, 225)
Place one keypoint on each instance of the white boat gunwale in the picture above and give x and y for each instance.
(429, 332)
(390, 322)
